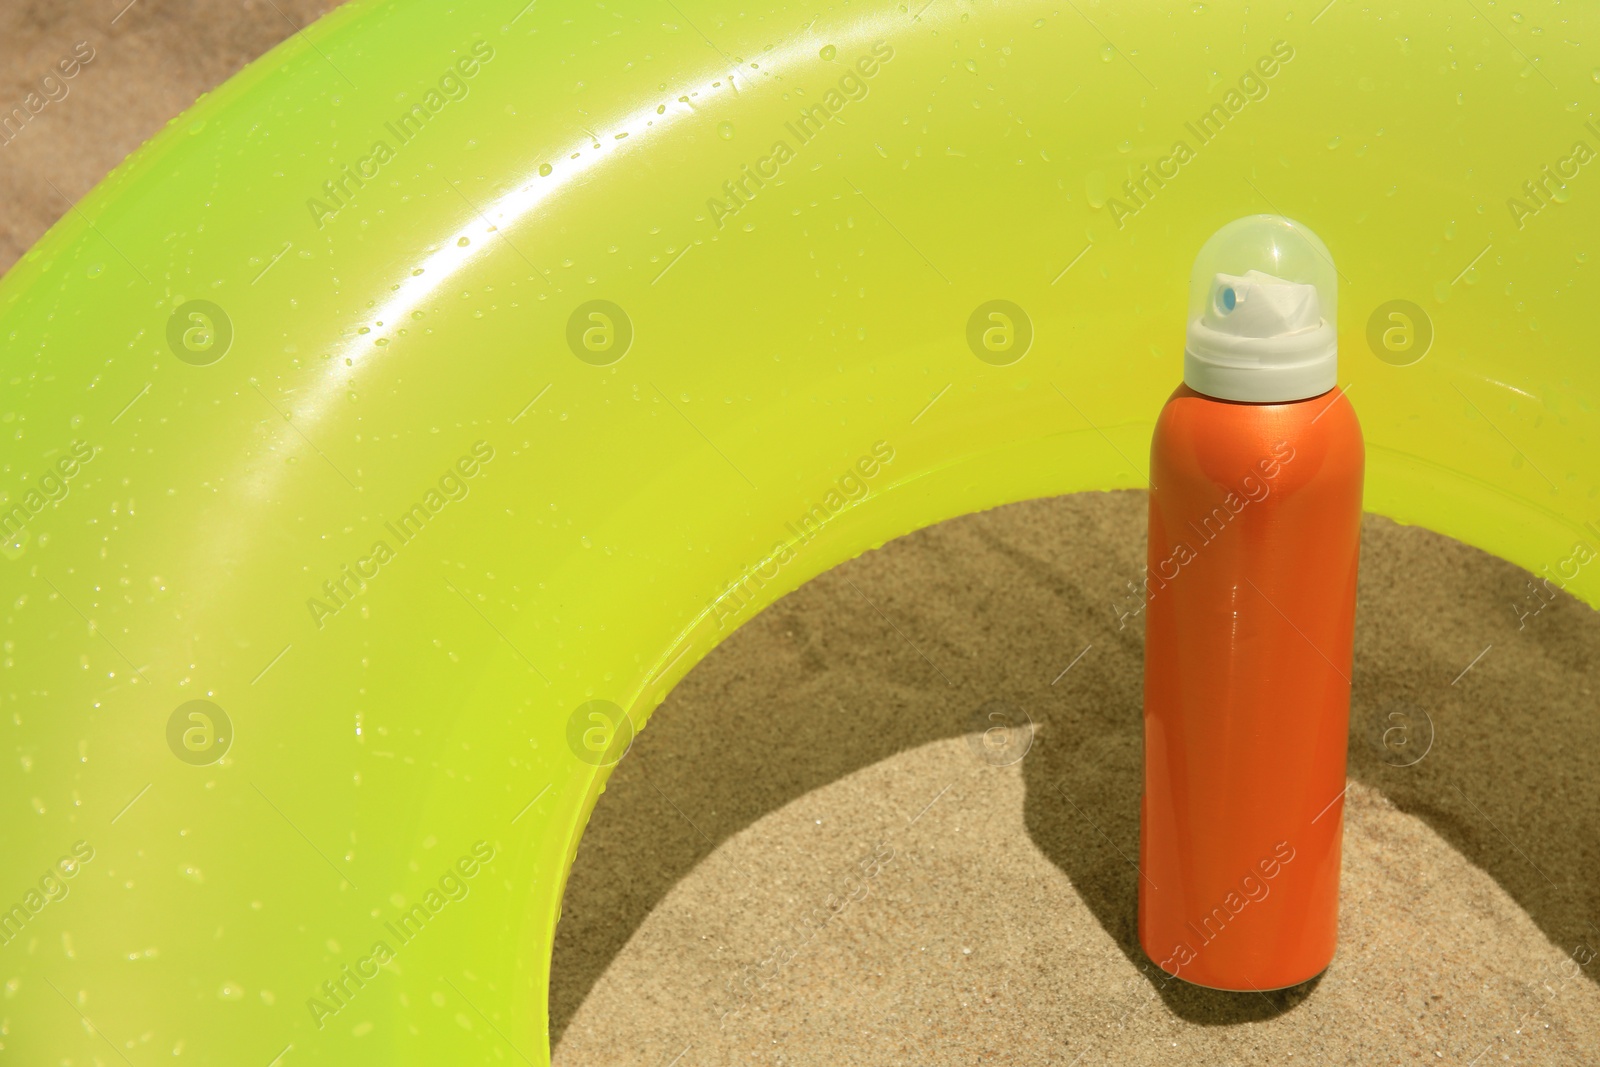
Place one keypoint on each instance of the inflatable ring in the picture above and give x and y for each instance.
(386, 437)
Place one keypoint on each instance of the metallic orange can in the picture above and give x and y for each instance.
(1254, 541)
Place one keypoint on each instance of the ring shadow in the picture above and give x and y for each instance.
(992, 606)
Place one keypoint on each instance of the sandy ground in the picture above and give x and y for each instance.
(819, 751)
(150, 60)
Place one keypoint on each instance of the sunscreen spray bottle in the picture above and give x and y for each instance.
(1255, 530)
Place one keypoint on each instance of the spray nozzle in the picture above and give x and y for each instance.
(1262, 304)
(1256, 304)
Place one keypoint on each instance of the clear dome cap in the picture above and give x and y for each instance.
(1263, 303)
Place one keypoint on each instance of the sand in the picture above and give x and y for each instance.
(993, 921)
(147, 66)
(818, 754)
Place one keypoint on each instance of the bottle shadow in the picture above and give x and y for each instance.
(1493, 756)
(1081, 808)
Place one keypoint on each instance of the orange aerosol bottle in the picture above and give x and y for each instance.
(1255, 531)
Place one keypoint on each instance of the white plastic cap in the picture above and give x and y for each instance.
(1263, 301)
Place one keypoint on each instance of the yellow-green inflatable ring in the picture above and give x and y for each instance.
(384, 439)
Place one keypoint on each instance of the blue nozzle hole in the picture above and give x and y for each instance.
(1227, 299)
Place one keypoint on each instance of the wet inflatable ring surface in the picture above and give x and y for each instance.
(387, 437)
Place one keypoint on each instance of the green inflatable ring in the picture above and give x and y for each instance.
(423, 404)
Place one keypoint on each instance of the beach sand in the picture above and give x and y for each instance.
(151, 59)
(986, 914)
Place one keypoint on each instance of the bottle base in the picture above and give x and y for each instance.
(1243, 987)
(1247, 988)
